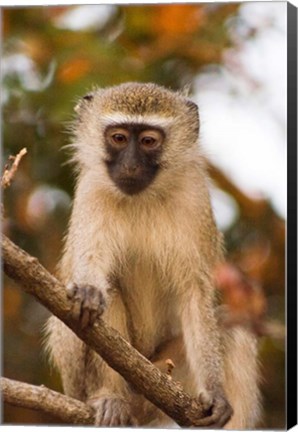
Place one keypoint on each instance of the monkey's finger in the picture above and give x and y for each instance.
(93, 305)
(94, 299)
(76, 309)
(71, 289)
(127, 420)
(124, 418)
(107, 418)
(98, 419)
(222, 421)
(205, 400)
(93, 316)
(101, 303)
(76, 294)
(85, 317)
(99, 406)
(112, 413)
(221, 413)
(132, 421)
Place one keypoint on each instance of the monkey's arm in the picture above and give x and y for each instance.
(85, 264)
(85, 269)
(204, 352)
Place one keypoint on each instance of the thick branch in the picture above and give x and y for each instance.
(119, 354)
(251, 208)
(41, 398)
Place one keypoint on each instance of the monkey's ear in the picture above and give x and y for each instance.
(83, 102)
(193, 107)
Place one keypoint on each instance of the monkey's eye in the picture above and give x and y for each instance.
(119, 138)
(150, 139)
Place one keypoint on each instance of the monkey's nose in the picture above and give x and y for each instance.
(132, 169)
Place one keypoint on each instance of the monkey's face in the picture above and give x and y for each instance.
(133, 154)
(137, 137)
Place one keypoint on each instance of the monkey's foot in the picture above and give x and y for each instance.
(217, 408)
(88, 302)
(112, 411)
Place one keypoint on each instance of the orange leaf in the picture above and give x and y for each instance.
(178, 19)
(73, 70)
(241, 294)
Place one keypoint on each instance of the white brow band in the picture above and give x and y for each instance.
(152, 120)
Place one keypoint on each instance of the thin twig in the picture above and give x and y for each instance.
(10, 170)
(170, 366)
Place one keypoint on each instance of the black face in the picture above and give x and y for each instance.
(133, 155)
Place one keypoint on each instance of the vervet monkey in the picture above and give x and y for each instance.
(141, 250)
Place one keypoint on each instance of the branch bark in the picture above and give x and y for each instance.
(157, 387)
(67, 409)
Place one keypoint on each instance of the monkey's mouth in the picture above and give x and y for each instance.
(131, 185)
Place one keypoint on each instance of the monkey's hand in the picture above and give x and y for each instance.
(217, 408)
(88, 302)
(112, 410)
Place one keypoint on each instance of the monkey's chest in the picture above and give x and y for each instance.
(151, 312)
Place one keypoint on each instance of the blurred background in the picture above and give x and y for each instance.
(232, 56)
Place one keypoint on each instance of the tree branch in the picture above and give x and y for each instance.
(251, 208)
(41, 398)
(118, 353)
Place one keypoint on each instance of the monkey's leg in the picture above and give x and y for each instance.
(67, 353)
(106, 390)
(241, 378)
